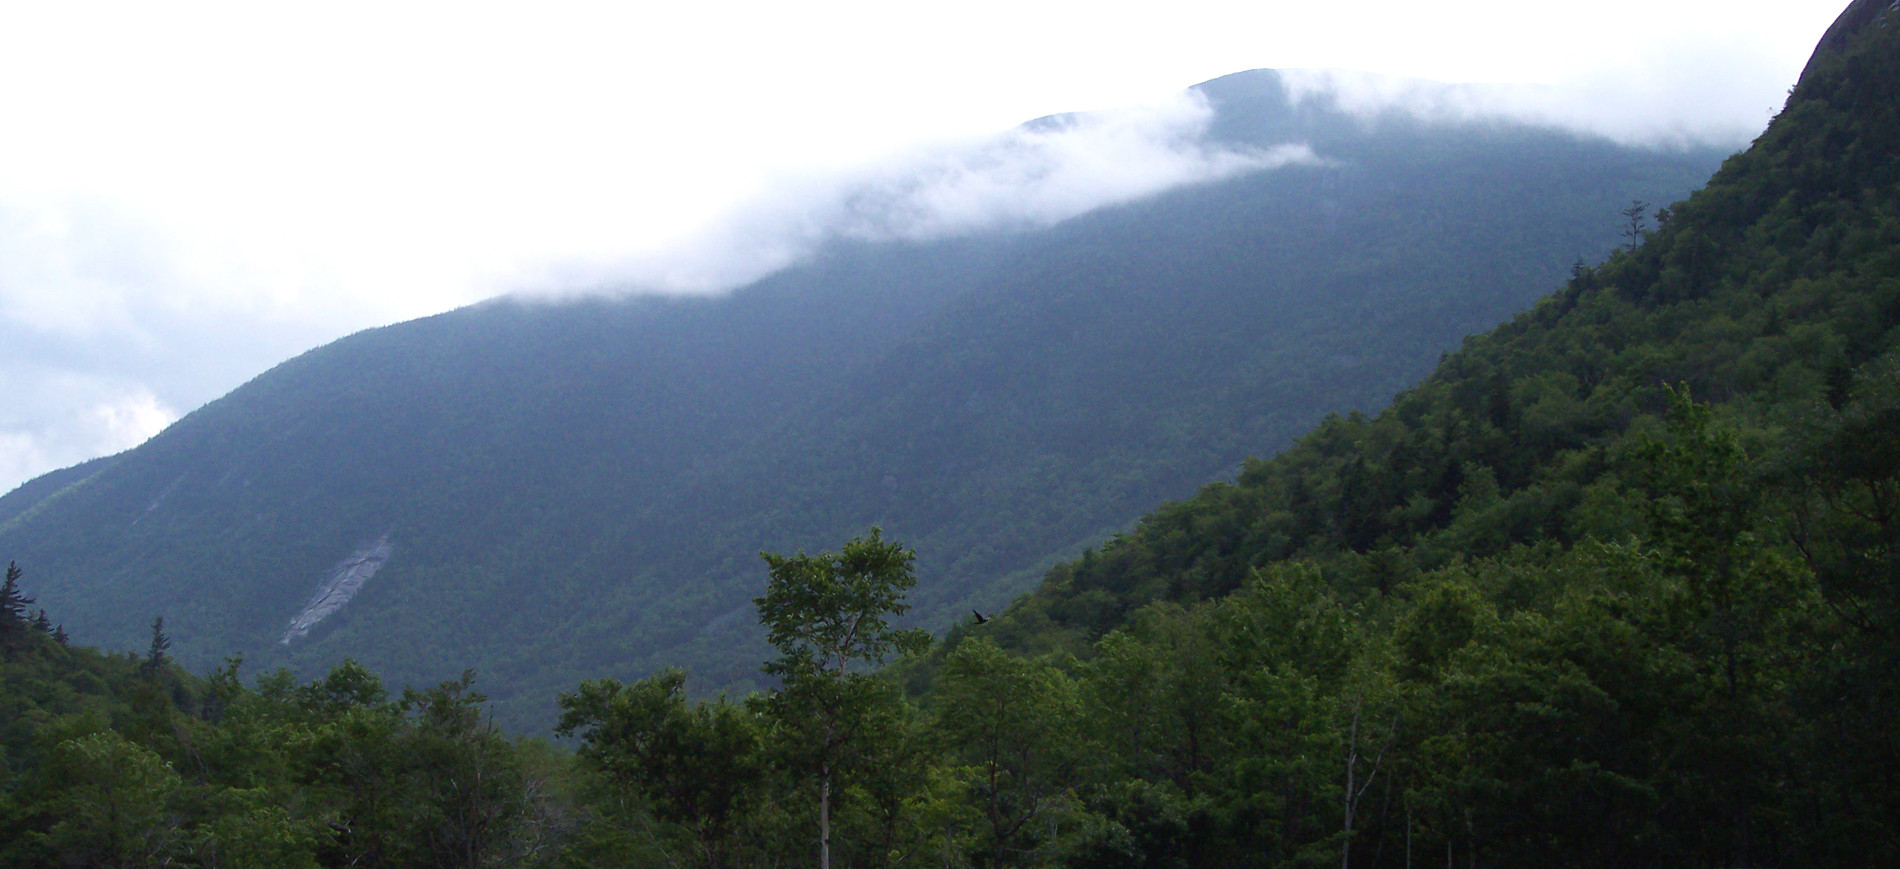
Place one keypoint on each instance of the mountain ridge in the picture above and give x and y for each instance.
(582, 488)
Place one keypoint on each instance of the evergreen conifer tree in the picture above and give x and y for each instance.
(155, 656)
(13, 604)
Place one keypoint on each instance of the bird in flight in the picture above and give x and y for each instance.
(980, 618)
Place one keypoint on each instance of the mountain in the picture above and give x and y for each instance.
(1770, 291)
(1614, 585)
(548, 491)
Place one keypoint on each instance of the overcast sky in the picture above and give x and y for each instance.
(191, 193)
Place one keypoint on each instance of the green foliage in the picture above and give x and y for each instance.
(155, 658)
(577, 490)
(697, 766)
(1011, 727)
(14, 627)
(114, 801)
(1547, 608)
(829, 617)
(1547, 603)
(827, 612)
(250, 830)
(108, 762)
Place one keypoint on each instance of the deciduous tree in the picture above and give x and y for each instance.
(829, 615)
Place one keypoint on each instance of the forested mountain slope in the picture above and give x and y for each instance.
(1615, 585)
(547, 491)
(1771, 290)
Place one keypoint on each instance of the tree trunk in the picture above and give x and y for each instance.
(824, 817)
(1352, 760)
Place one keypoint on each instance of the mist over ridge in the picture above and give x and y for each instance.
(1001, 355)
(122, 330)
(1032, 176)
(1052, 169)
(191, 197)
(1308, 466)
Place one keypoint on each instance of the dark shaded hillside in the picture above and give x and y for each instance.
(29, 494)
(1615, 585)
(1766, 291)
(1554, 606)
(581, 489)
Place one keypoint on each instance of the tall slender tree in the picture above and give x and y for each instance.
(829, 616)
(155, 656)
(1635, 224)
(13, 604)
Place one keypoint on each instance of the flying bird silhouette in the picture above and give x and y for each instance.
(980, 618)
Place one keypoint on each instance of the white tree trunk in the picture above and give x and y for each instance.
(824, 818)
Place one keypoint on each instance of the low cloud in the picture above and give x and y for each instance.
(71, 417)
(1056, 168)
(1709, 94)
(188, 197)
(106, 336)
(1051, 170)
(114, 320)
(168, 278)
(1035, 175)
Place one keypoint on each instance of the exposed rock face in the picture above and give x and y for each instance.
(345, 579)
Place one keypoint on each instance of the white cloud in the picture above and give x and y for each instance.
(1035, 175)
(22, 457)
(1699, 90)
(105, 333)
(1046, 172)
(72, 417)
(130, 419)
(65, 267)
(192, 191)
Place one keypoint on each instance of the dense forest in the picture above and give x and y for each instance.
(567, 490)
(1616, 585)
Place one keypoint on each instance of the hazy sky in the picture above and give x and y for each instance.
(191, 193)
